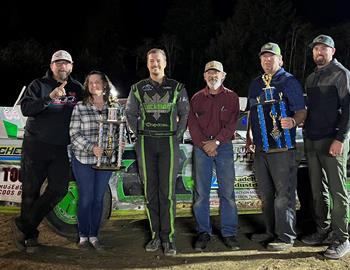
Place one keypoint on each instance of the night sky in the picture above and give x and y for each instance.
(70, 22)
(24, 19)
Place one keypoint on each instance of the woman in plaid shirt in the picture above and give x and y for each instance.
(84, 130)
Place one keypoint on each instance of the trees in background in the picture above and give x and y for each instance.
(191, 32)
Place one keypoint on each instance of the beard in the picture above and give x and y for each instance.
(320, 60)
(63, 75)
(214, 84)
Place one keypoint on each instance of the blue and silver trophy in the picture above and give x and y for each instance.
(270, 112)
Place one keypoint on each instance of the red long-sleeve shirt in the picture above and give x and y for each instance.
(213, 115)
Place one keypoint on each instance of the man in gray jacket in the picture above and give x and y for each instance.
(157, 111)
(327, 145)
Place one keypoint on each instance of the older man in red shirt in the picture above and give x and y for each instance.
(212, 122)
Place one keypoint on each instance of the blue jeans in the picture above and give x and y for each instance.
(92, 185)
(225, 172)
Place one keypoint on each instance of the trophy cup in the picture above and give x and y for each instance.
(115, 118)
(268, 90)
(270, 111)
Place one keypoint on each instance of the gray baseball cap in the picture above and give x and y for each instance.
(61, 55)
(214, 65)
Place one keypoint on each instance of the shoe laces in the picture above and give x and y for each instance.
(155, 242)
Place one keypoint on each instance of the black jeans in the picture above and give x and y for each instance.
(41, 161)
(276, 175)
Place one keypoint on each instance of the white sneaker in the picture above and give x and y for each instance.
(337, 250)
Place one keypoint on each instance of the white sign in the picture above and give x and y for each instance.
(10, 186)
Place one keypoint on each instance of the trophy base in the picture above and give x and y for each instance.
(112, 121)
(112, 167)
(276, 150)
(116, 121)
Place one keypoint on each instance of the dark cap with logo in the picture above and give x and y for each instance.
(322, 39)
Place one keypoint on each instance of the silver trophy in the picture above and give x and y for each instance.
(116, 117)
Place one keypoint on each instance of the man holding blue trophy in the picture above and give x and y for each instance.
(276, 106)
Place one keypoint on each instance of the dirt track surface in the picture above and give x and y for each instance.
(124, 240)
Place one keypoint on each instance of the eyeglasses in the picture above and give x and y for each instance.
(62, 62)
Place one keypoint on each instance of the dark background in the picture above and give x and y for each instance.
(114, 35)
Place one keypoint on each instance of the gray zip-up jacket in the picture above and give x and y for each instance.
(328, 102)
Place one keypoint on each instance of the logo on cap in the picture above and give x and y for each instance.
(271, 48)
(61, 55)
(214, 65)
(322, 39)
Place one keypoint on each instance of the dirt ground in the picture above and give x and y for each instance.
(124, 240)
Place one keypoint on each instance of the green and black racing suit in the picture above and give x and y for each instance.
(157, 114)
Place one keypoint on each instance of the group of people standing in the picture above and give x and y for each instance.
(158, 112)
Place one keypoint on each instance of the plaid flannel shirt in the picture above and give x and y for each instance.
(84, 132)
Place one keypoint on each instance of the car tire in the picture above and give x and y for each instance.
(63, 218)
